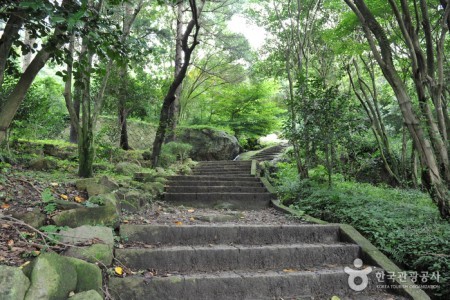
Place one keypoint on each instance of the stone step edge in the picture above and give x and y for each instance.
(237, 277)
(370, 253)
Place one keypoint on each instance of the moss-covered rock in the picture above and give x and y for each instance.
(107, 215)
(127, 168)
(88, 295)
(101, 251)
(33, 218)
(43, 164)
(52, 278)
(89, 276)
(133, 200)
(13, 283)
(97, 253)
(96, 187)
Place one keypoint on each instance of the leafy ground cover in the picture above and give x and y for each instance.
(404, 224)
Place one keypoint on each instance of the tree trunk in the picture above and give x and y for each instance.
(170, 96)
(123, 129)
(10, 34)
(174, 110)
(86, 136)
(380, 46)
(16, 97)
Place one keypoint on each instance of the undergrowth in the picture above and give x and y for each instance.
(403, 224)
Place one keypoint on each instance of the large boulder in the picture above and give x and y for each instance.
(210, 144)
(52, 277)
(13, 283)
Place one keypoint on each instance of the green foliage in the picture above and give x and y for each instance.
(52, 232)
(403, 224)
(48, 198)
(174, 151)
(42, 114)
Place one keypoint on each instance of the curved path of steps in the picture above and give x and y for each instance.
(236, 261)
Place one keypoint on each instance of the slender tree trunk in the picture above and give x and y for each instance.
(86, 135)
(175, 107)
(170, 96)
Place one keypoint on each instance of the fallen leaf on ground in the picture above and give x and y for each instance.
(335, 298)
(178, 223)
(5, 206)
(65, 197)
(118, 270)
(79, 199)
(125, 221)
(24, 264)
(191, 210)
(289, 270)
(10, 243)
(192, 219)
(54, 184)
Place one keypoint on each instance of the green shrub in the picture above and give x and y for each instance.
(179, 150)
(404, 224)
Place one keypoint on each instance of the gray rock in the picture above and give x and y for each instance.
(88, 233)
(110, 184)
(52, 277)
(33, 218)
(88, 295)
(102, 249)
(209, 144)
(13, 283)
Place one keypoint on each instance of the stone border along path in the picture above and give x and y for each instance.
(232, 260)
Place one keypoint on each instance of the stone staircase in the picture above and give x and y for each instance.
(270, 153)
(239, 262)
(232, 260)
(219, 184)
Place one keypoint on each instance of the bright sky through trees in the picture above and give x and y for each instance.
(252, 32)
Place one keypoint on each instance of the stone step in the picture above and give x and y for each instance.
(221, 172)
(246, 183)
(226, 163)
(214, 178)
(233, 168)
(313, 284)
(239, 201)
(230, 234)
(215, 189)
(214, 258)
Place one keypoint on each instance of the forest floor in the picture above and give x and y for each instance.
(23, 191)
